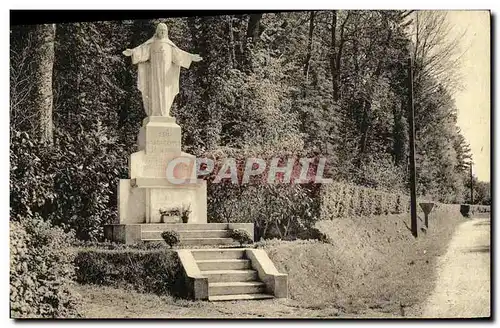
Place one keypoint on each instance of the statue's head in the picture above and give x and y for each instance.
(161, 31)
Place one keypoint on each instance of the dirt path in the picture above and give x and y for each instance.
(463, 282)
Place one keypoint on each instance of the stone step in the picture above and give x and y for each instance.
(183, 226)
(230, 264)
(207, 241)
(239, 297)
(204, 234)
(218, 254)
(230, 275)
(198, 241)
(188, 234)
(239, 287)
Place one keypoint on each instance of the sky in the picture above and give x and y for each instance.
(473, 102)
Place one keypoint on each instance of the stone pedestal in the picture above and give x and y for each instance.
(151, 188)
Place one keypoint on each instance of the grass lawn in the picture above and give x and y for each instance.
(109, 302)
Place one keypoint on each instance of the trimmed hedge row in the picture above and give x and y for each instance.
(481, 209)
(343, 200)
(468, 210)
(340, 200)
(151, 271)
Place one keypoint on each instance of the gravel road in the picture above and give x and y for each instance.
(463, 282)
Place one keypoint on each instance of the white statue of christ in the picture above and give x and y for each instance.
(159, 61)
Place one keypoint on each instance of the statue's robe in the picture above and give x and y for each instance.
(159, 62)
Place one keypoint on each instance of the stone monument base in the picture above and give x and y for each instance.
(142, 200)
(162, 184)
(194, 234)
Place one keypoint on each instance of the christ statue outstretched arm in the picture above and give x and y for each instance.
(159, 61)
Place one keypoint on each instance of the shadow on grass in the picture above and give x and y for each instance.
(407, 227)
(483, 223)
(422, 226)
(478, 249)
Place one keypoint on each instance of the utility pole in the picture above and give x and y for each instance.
(413, 176)
(471, 186)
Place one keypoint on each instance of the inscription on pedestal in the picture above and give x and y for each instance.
(162, 140)
(162, 146)
(157, 137)
(155, 165)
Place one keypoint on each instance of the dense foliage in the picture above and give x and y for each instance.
(61, 185)
(41, 271)
(320, 83)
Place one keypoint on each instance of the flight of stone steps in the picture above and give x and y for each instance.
(219, 270)
(230, 275)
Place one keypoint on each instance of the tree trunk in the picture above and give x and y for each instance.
(338, 56)
(333, 56)
(367, 104)
(399, 134)
(309, 45)
(44, 36)
(253, 26)
(239, 50)
(231, 40)
(250, 41)
(365, 126)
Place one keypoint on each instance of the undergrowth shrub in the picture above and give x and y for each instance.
(241, 235)
(171, 237)
(151, 271)
(41, 271)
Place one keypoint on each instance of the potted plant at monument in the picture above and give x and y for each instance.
(185, 211)
(172, 212)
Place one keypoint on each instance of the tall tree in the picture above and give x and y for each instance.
(44, 35)
(309, 45)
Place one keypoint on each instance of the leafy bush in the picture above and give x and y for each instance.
(86, 178)
(283, 211)
(31, 177)
(152, 271)
(240, 235)
(171, 237)
(41, 271)
(70, 184)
